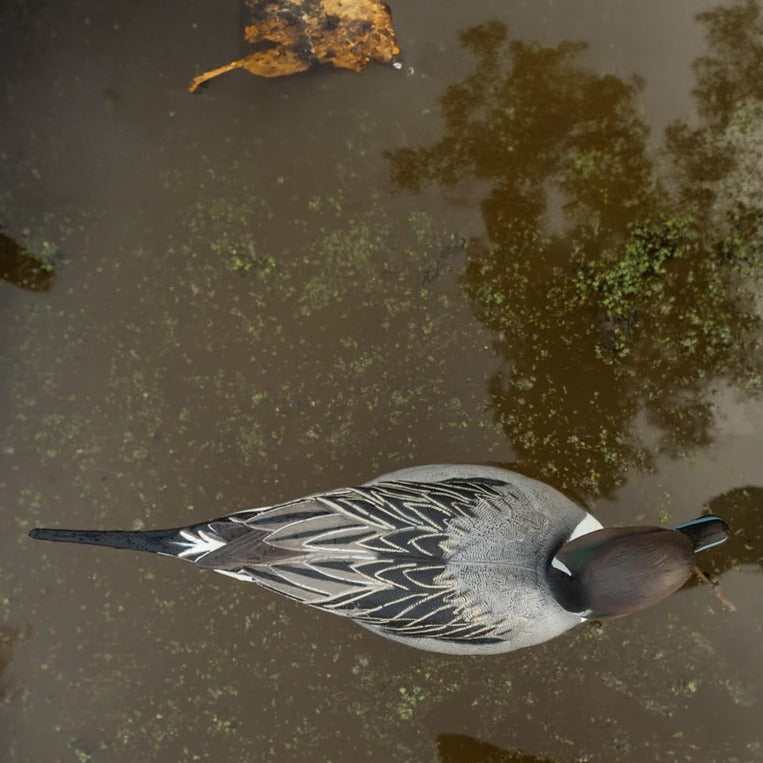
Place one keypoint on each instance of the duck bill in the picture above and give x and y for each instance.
(704, 532)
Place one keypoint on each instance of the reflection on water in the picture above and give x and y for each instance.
(458, 748)
(612, 286)
(24, 268)
(719, 161)
(743, 510)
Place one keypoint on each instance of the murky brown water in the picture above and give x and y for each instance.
(217, 301)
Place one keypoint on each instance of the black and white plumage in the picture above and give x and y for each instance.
(452, 559)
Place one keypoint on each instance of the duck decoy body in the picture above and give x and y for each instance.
(454, 559)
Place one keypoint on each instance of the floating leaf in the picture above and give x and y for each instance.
(289, 37)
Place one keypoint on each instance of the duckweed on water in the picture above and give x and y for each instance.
(636, 288)
(409, 699)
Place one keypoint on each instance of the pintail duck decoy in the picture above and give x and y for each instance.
(454, 559)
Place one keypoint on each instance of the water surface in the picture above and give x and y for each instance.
(536, 244)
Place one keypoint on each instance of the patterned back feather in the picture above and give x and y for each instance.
(375, 553)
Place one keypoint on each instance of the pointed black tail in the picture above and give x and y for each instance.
(153, 541)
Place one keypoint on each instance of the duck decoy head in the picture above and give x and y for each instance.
(618, 570)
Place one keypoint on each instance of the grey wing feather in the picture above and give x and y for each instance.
(241, 550)
(376, 553)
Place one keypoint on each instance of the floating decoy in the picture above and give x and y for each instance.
(448, 558)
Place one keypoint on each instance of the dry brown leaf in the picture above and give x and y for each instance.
(290, 36)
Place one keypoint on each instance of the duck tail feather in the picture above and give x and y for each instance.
(153, 541)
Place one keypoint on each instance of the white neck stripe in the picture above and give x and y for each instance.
(556, 564)
(588, 524)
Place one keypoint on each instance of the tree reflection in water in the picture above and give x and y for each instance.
(459, 748)
(25, 269)
(619, 286)
(741, 508)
